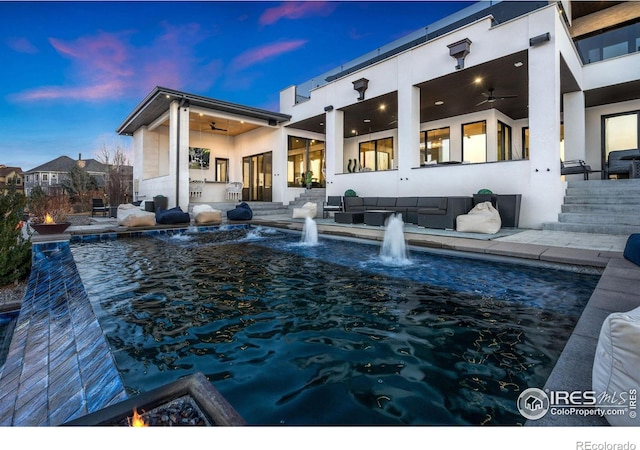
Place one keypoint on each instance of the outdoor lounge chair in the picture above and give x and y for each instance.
(333, 204)
(575, 166)
(98, 207)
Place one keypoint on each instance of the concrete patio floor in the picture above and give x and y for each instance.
(59, 366)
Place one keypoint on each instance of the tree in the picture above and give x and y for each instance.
(15, 246)
(119, 176)
(81, 186)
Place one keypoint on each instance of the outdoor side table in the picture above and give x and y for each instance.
(349, 217)
(376, 217)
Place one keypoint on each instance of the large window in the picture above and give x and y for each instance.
(474, 142)
(434, 146)
(504, 142)
(376, 155)
(525, 142)
(305, 155)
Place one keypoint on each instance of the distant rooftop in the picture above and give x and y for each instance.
(499, 10)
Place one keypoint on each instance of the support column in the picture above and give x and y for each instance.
(334, 146)
(408, 150)
(547, 187)
(574, 127)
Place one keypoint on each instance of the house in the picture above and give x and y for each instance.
(492, 97)
(11, 173)
(51, 175)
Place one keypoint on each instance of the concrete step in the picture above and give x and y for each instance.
(601, 208)
(593, 228)
(615, 199)
(600, 219)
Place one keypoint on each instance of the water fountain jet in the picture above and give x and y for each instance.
(393, 246)
(309, 232)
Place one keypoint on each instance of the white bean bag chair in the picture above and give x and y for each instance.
(483, 218)
(206, 215)
(132, 216)
(307, 210)
(616, 365)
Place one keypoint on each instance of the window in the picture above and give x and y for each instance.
(525, 142)
(605, 44)
(504, 142)
(222, 169)
(434, 146)
(474, 142)
(45, 177)
(376, 155)
(304, 155)
(620, 132)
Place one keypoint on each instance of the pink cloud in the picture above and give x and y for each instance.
(260, 54)
(296, 10)
(107, 64)
(22, 45)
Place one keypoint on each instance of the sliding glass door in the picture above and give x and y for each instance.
(257, 177)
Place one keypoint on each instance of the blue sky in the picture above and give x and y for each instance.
(72, 71)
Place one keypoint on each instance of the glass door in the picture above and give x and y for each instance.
(257, 177)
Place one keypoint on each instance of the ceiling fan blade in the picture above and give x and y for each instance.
(502, 97)
(482, 102)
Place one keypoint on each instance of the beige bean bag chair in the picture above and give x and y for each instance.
(307, 210)
(616, 365)
(132, 216)
(483, 218)
(206, 215)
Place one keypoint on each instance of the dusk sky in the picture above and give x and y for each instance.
(72, 71)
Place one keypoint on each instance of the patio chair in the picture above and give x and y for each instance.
(234, 190)
(575, 167)
(98, 207)
(333, 204)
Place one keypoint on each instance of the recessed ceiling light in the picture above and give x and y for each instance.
(321, 124)
(353, 131)
(367, 120)
(439, 102)
(518, 64)
(478, 80)
(382, 107)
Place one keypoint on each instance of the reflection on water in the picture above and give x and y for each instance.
(327, 334)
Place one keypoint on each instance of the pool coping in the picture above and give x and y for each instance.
(26, 386)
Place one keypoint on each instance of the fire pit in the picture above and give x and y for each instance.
(190, 401)
(49, 226)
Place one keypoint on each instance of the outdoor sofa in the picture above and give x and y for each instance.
(429, 212)
(620, 163)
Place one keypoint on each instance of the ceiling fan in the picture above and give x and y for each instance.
(492, 98)
(214, 128)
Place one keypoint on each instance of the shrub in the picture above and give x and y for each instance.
(40, 204)
(15, 246)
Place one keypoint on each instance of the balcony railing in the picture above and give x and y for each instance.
(609, 44)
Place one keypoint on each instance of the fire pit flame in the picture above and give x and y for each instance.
(48, 220)
(137, 420)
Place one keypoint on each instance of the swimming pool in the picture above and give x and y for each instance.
(329, 334)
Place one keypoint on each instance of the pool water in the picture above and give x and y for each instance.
(330, 334)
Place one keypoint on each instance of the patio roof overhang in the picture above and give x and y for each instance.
(157, 103)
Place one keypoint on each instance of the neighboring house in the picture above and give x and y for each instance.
(494, 96)
(11, 173)
(51, 175)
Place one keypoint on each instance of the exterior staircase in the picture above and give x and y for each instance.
(600, 206)
(315, 195)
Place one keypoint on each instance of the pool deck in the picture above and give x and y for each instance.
(59, 366)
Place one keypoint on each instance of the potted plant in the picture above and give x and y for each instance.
(309, 179)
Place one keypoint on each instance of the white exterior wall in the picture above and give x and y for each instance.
(538, 180)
